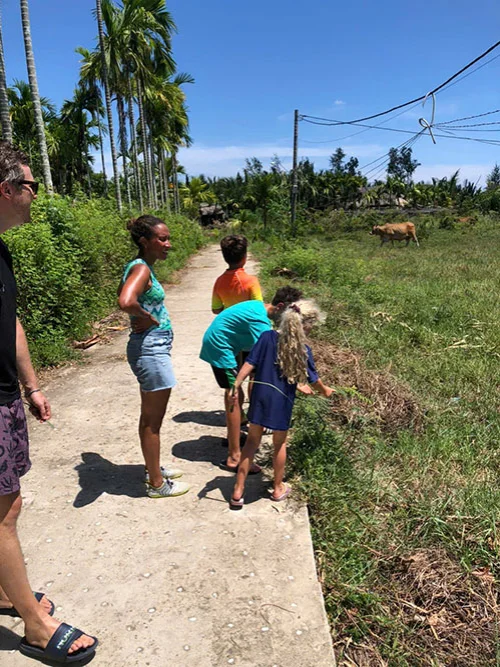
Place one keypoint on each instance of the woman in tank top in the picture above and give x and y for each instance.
(149, 348)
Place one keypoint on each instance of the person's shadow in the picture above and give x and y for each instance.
(206, 448)
(208, 418)
(97, 475)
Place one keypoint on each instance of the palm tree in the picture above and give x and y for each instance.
(30, 62)
(109, 111)
(22, 111)
(88, 81)
(4, 102)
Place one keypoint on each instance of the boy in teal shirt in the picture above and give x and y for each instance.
(236, 329)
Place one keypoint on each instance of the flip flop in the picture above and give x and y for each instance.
(285, 494)
(12, 611)
(236, 504)
(255, 471)
(58, 647)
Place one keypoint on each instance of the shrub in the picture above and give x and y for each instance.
(68, 264)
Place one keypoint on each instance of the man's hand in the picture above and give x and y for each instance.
(140, 324)
(40, 406)
(305, 389)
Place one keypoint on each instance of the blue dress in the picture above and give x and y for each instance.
(271, 406)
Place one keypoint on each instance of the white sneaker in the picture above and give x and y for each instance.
(167, 489)
(167, 473)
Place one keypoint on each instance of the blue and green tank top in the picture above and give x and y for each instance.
(152, 300)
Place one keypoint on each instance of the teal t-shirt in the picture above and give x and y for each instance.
(235, 329)
(152, 300)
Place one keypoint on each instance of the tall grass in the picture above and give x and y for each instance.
(430, 317)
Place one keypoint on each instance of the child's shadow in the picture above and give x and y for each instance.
(255, 489)
(206, 448)
(97, 475)
(208, 418)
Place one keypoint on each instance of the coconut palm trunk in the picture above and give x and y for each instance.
(133, 141)
(109, 112)
(4, 102)
(40, 129)
(103, 161)
(145, 152)
(153, 167)
(165, 179)
(175, 181)
(123, 146)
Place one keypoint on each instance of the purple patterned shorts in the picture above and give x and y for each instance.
(14, 447)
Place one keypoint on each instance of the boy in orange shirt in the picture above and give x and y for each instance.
(234, 286)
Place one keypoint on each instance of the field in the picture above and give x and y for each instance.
(401, 469)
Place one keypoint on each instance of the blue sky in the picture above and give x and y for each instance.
(254, 63)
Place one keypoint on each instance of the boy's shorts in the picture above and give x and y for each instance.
(225, 377)
(14, 448)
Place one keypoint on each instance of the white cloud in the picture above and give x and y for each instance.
(471, 172)
(339, 103)
(227, 160)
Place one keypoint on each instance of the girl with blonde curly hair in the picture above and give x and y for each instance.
(281, 359)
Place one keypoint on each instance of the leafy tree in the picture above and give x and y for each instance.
(401, 164)
(493, 178)
(336, 161)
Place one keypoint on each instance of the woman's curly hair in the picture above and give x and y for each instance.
(143, 227)
(292, 353)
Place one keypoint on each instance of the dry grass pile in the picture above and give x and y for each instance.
(365, 396)
(452, 616)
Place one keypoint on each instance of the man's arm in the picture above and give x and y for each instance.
(39, 405)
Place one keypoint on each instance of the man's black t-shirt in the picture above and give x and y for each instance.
(9, 386)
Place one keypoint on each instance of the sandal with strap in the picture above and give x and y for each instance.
(58, 646)
(284, 495)
(12, 611)
(236, 504)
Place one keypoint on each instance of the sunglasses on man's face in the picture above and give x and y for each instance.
(33, 185)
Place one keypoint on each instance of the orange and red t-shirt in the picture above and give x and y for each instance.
(235, 286)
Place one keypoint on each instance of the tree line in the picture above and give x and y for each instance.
(131, 70)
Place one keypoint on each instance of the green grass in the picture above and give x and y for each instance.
(430, 316)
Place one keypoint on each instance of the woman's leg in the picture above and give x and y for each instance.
(153, 407)
(279, 460)
(247, 453)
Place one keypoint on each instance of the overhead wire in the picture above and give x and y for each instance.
(328, 121)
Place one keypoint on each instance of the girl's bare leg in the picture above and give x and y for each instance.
(279, 460)
(247, 454)
(233, 422)
(153, 407)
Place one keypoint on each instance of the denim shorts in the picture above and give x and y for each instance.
(149, 357)
(14, 449)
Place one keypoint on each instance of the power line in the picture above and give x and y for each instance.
(479, 115)
(328, 121)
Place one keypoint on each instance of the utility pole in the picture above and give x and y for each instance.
(294, 173)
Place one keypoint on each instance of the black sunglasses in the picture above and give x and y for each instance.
(34, 185)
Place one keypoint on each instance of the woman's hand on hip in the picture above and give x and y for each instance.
(142, 323)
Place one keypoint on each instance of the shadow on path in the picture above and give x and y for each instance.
(255, 489)
(206, 448)
(210, 418)
(97, 475)
(9, 641)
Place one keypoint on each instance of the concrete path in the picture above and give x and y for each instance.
(178, 581)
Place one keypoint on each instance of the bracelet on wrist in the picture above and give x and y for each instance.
(30, 393)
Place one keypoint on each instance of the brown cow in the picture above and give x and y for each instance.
(399, 231)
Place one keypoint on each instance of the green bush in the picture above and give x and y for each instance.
(68, 263)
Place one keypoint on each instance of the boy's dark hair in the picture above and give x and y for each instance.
(234, 248)
(11, 161)
(286, 295)
(143, 227)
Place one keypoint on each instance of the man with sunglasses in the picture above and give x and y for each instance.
(45, 636)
